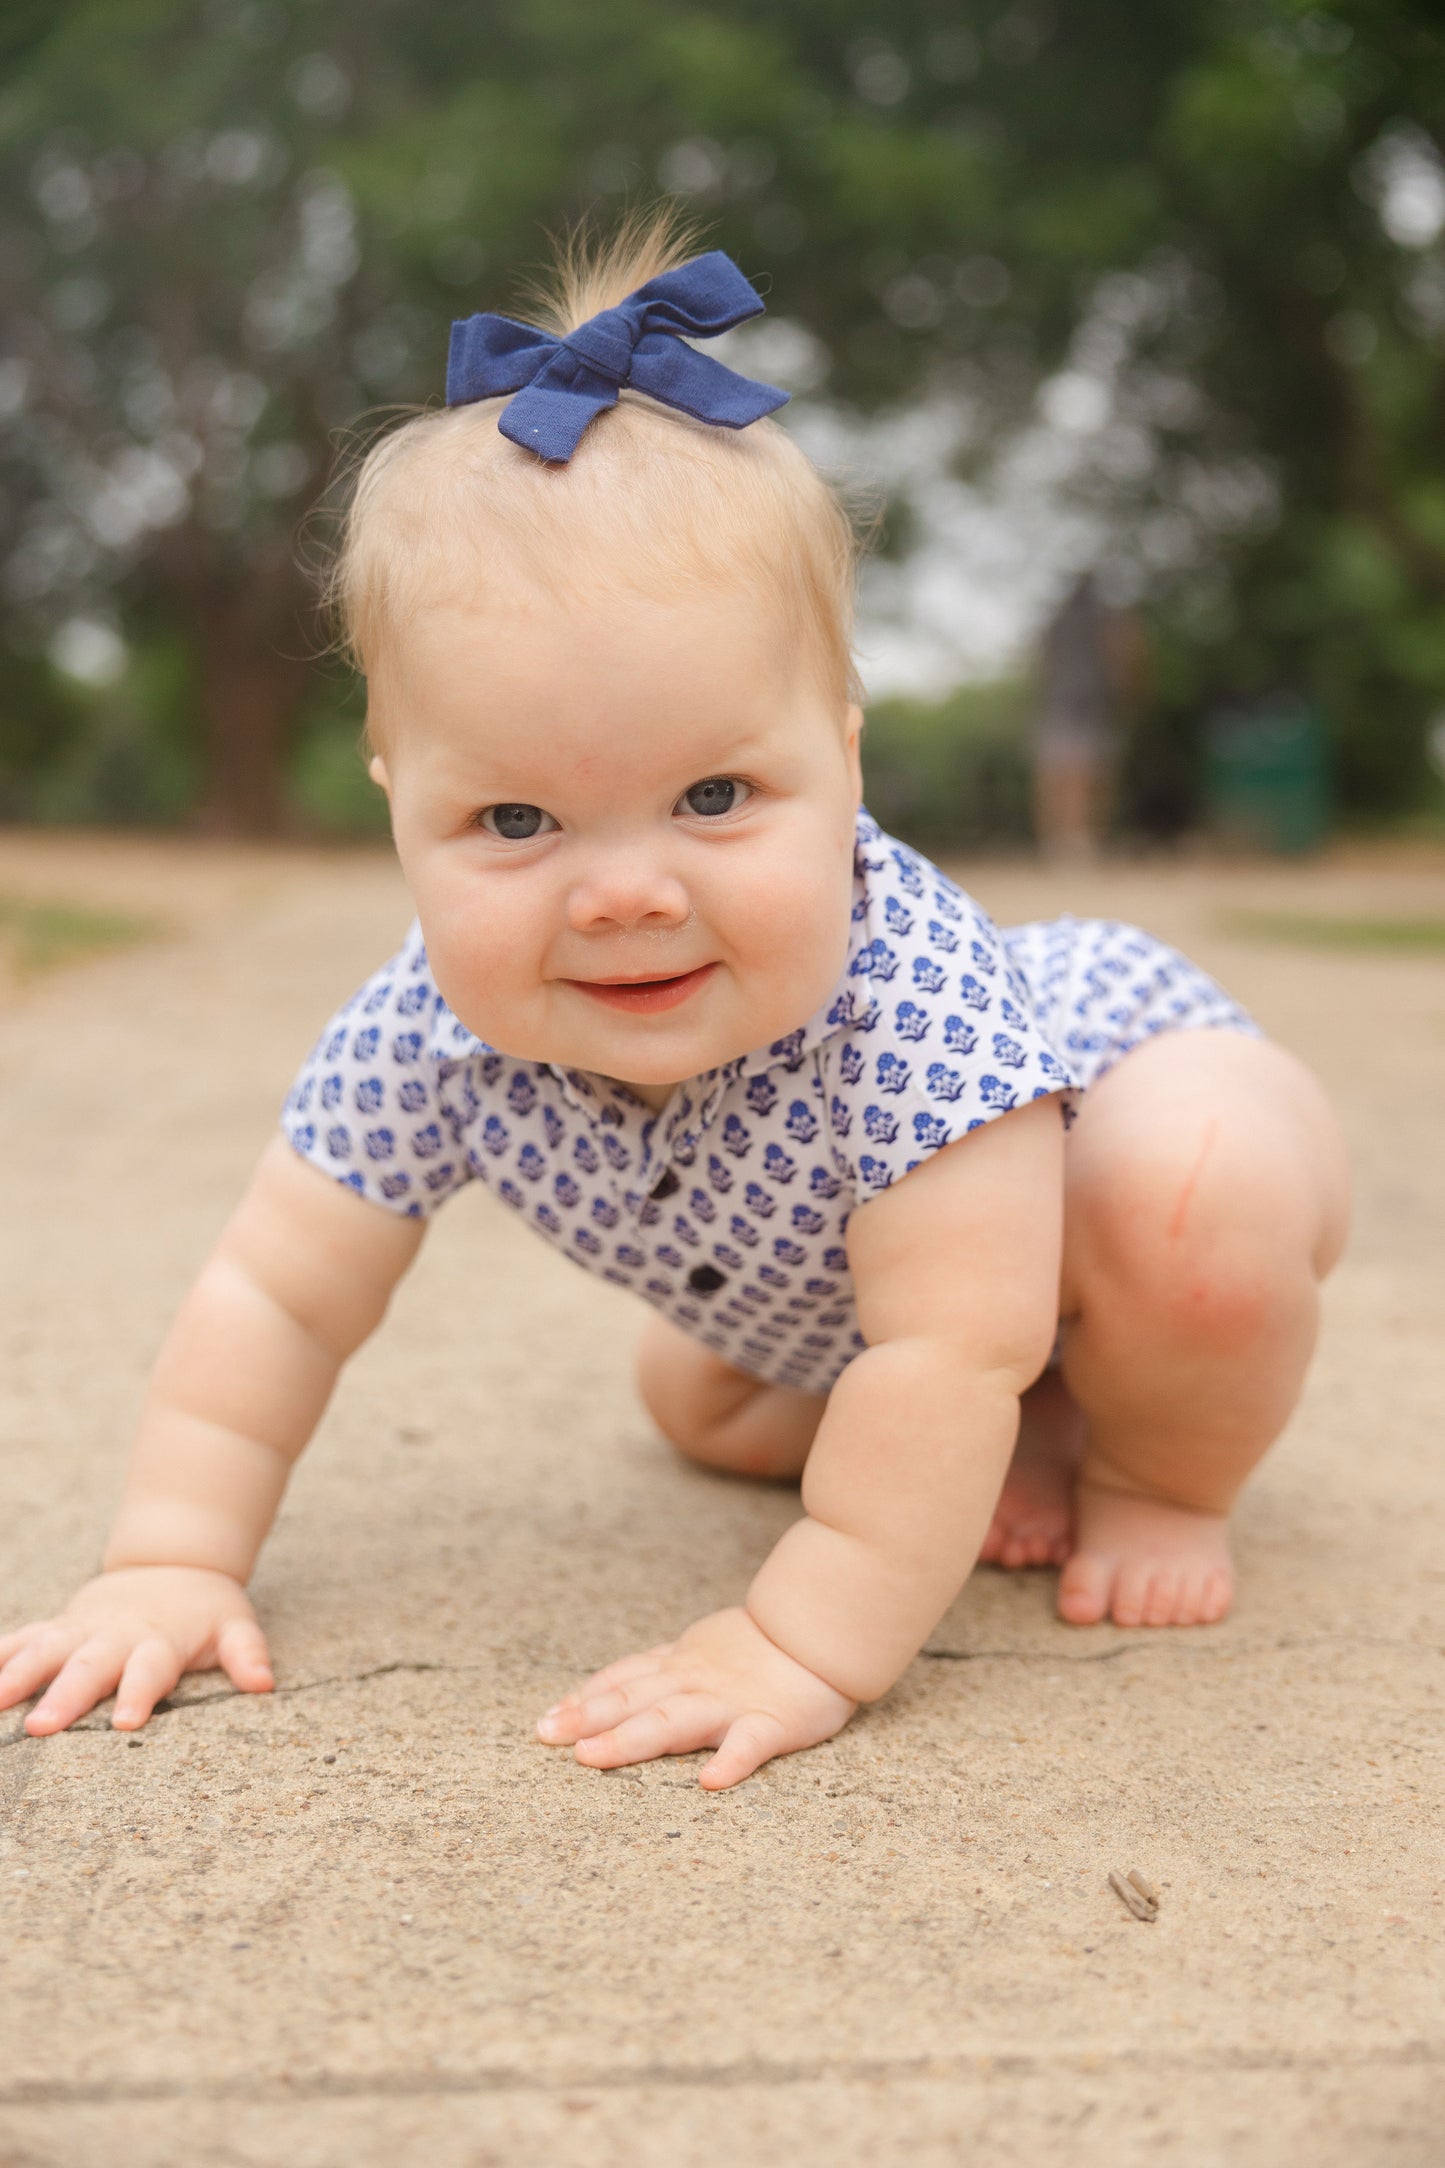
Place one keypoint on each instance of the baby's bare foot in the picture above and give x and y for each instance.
(1143, 1562)
(1034, 1518)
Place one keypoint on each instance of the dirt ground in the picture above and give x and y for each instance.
(368, 1921)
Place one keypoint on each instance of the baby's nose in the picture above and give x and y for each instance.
(624, 890)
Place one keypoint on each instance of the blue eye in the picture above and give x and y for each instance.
(515, 823)
(716, 794)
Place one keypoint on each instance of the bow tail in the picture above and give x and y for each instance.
(490, 355)
(550, 414)
(668, 369)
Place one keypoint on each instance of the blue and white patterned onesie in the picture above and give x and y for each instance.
(727, 1210)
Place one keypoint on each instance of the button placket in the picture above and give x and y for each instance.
(665, 1130)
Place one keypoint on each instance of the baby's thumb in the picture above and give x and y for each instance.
(241, 1648)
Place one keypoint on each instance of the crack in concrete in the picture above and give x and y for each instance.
(1160, 1641)
(172, 1705)
(403, 2084)
(1022, 1656)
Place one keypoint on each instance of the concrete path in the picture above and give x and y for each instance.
(368, 1921)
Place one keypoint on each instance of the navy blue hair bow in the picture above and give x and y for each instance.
(563, 384)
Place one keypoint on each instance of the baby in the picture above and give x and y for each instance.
(883, 1172)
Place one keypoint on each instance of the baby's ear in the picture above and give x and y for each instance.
(376, 769)
(852, 734)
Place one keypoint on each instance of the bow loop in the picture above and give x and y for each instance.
(563, 384)
(606, 342)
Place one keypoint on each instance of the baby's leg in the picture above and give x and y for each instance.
(1206, 1196)
(1034, 1518)
(718, 1415)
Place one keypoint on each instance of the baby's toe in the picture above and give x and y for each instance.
(1217, 1597)
(1132, 1583)
(1162, 1600)
(1050, 1546)
(1084, 1588)
(1189, 1600)
(1023, 1543)
(1199, 1598)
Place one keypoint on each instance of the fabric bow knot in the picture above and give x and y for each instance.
(562, 384)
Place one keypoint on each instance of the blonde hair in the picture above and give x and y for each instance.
(445, 506)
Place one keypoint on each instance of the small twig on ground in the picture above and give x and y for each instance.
(1137, 1893)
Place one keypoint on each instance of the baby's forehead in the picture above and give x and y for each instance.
(586, 596)
(714, 652)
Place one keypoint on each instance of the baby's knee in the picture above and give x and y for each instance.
(1229, 1297)
(683, 1386)
(1206, 1235)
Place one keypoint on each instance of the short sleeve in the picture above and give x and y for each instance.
(374, 1105)
(938, 1034)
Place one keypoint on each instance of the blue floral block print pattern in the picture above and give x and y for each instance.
(728, 1210)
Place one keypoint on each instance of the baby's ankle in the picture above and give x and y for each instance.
(1101, 1472)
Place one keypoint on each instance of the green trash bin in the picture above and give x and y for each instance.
(1267, 776)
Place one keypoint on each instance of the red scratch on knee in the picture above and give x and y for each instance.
(1186, 1195)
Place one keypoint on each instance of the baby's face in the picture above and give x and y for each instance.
(627, 826)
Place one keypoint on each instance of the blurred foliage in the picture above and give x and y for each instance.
(1202, 240)
(130, 758)
(951, 774)
(42, 715)
(330, 788)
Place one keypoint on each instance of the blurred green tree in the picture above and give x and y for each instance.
(1201, 243)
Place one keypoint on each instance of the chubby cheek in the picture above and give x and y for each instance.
(789, 924)
(483, 946)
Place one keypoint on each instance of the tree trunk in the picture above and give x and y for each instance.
(254, 670)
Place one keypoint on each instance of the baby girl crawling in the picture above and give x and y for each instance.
(882, 1171)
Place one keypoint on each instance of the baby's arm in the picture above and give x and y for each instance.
(301, 1275)
(956, 1277)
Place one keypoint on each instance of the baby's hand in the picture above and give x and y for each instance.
(723, 1684)
(133, 1633)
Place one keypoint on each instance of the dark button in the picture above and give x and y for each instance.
(706, 1279)
(665, 1184)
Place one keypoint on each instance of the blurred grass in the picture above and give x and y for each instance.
(1400, 936)
(37, 937)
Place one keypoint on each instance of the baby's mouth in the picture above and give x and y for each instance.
(646, 997)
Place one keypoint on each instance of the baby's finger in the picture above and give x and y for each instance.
(151, 1670)
(242, 1654)
(599, 1712)
(11, 1644)
(751, 1741)
(619, 1674)
(86, 1678)
(32, 1666)
(676, 1726)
